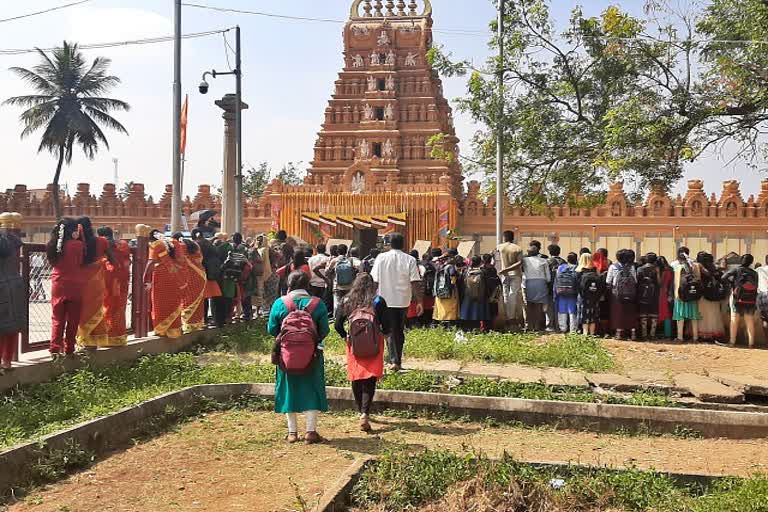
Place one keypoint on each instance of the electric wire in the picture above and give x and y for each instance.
(44, 11)
(113, 44)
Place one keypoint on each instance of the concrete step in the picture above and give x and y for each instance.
(613, 381)
(747, 384)
(708, 389)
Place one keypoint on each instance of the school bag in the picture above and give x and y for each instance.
(345, 271)
(296, 344)
(565, 282)
(443, 284)
(745, 291)
(364, 332)
(647, 287)
(714, 289)
(592, 287)
(625, 289)
(234, 267)
(429, 273)
(475, 284)
(690, 289)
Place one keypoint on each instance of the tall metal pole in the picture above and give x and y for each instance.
(238, 134)
(500, 190)
(176, 196)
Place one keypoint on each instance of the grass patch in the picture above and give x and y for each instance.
(579, 352)
(444, 481)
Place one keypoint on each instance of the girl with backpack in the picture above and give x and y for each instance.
(715, 291)
(364, 310)
(648, 277)
(299, 323)
(666, 295)
(622, 281)
(688, 291)
(591, 289)
(565, 293)
(744, 283)
(474, 305)
(446, 289)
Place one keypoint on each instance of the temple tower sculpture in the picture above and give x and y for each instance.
(387, 104)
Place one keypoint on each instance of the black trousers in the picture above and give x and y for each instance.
(247, 303)
(222, 308)
(364, 390)
(396, 338)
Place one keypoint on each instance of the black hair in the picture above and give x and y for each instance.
(170, 247)
(106, 232)
(342, 249)
(536, 244)
(89, 239)
(476, 261)
(196, 233)
(414, 254)
(572, 258)
(459, 261)
(684, 249)
(585, 250)
(354, 252)
(509, 236)
(237, 238)
(663, 264)
(554, 250)
(626, 256)
(651, 258)
(362, 293)
(333, 250)
(453, 252)
(282, 235)
(397, 241)
(747, 260)
(320, 248)
(192, 247)
(603, 251)
(299, 259)
(487, 258)
(298, 280)
(51, 248)
(437, 252)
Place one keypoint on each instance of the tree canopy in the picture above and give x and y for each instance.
(613, 97)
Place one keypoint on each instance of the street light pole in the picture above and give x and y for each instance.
(238, 134)
(176, 180)
(500, 196)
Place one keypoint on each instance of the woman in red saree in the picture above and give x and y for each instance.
(165, 278)
(193, 299)
(117, 276)
(92, 331)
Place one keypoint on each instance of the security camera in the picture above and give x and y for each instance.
(203, 87)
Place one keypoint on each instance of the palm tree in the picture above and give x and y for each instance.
(68, 106)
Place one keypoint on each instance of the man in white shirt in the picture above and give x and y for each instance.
(397, 276)
(317, 284)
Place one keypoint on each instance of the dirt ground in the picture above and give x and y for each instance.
(702, 358)
(238, 461)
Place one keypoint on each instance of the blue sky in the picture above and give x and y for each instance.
(289, 71)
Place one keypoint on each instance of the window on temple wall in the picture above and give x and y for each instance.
(379, 113)
(377, 151)
(381, 84)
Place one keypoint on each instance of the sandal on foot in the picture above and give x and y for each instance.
(292, 437)
(313, 438)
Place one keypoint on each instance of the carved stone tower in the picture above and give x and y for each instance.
(388, 103)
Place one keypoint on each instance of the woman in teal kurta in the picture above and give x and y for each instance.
(301, 393)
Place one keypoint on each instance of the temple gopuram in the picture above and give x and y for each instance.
(374, 173)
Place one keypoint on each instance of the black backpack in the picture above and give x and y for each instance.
(647, 286)
(625, 289)
(234, 266)
(690, 289)
(745, 290)
(715, 289)
(443, 285)
(592, 287)
(565, 282)
(429, 273)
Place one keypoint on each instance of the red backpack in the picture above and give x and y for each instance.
(297, 341)
(364, 333)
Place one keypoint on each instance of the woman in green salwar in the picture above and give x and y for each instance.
(301, 393)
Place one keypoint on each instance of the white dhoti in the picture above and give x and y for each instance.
(513, 297)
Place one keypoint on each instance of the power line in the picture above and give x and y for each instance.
(44, 11)
(113, 44)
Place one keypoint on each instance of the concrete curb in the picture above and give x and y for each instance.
(337, 498)
(46, 371)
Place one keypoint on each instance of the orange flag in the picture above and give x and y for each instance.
(184, 109)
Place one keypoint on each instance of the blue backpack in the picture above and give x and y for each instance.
(345, 272)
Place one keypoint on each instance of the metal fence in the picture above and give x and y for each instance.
(37, 272)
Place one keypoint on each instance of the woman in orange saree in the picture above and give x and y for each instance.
(117, 277)
(165, 279)
(92, 331)
(193, 299)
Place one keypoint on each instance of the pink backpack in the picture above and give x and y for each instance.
(298, 338)
(364, 333)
